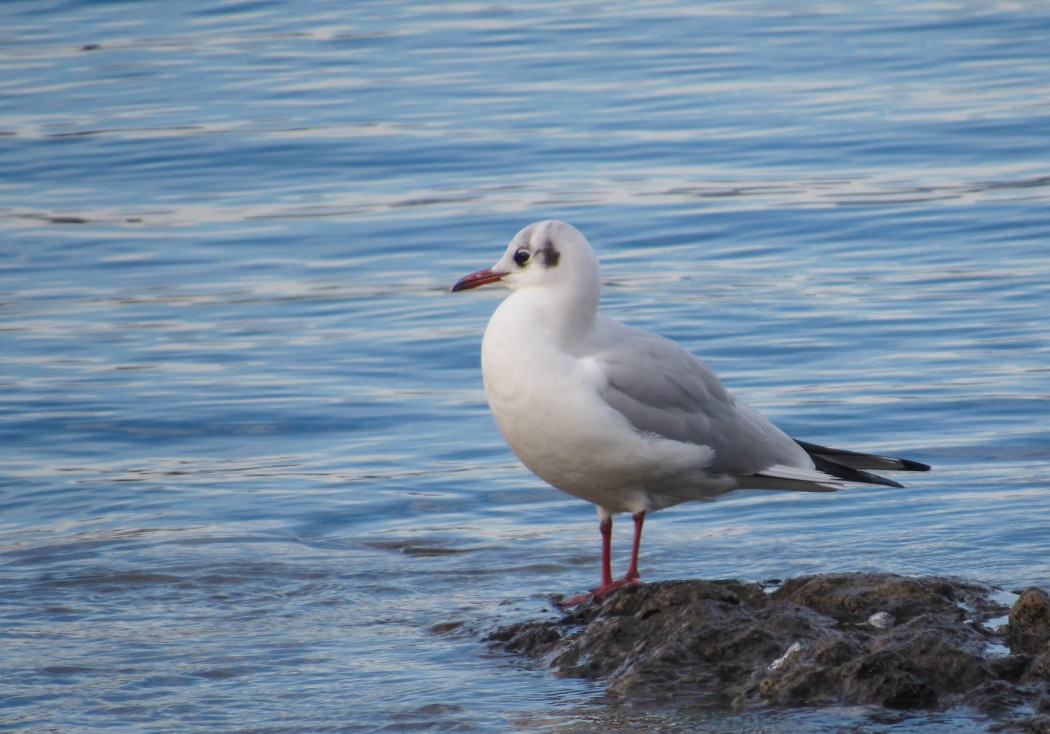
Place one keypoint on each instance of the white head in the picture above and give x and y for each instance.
(549, 254)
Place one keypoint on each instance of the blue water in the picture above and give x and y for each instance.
(248, 480)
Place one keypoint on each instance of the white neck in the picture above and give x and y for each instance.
(566, 314)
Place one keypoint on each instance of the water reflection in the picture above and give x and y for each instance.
(247, 463)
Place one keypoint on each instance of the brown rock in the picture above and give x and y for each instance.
(1030, 622)
(831, 639)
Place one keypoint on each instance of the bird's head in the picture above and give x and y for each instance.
(548, 254)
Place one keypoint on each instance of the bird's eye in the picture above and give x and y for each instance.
(521, 257)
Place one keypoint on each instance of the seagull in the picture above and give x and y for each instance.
(620, 417)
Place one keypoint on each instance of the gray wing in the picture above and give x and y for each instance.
(664, 390)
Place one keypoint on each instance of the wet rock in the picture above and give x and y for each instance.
(831, 639)
(1030, 622)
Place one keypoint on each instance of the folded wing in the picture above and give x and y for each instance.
(663, 390)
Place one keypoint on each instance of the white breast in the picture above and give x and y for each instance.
(546, 402)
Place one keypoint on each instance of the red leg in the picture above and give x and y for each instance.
(605, 526)
(632, 569)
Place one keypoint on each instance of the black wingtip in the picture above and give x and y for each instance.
(909, 465)
(853, 466)
(858, 460)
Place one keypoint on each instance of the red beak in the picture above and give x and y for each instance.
(482, 277)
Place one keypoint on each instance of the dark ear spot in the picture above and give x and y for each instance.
(550, 254)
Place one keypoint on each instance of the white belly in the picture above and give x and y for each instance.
(546, 404)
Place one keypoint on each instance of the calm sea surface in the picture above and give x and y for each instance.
(248, 480)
